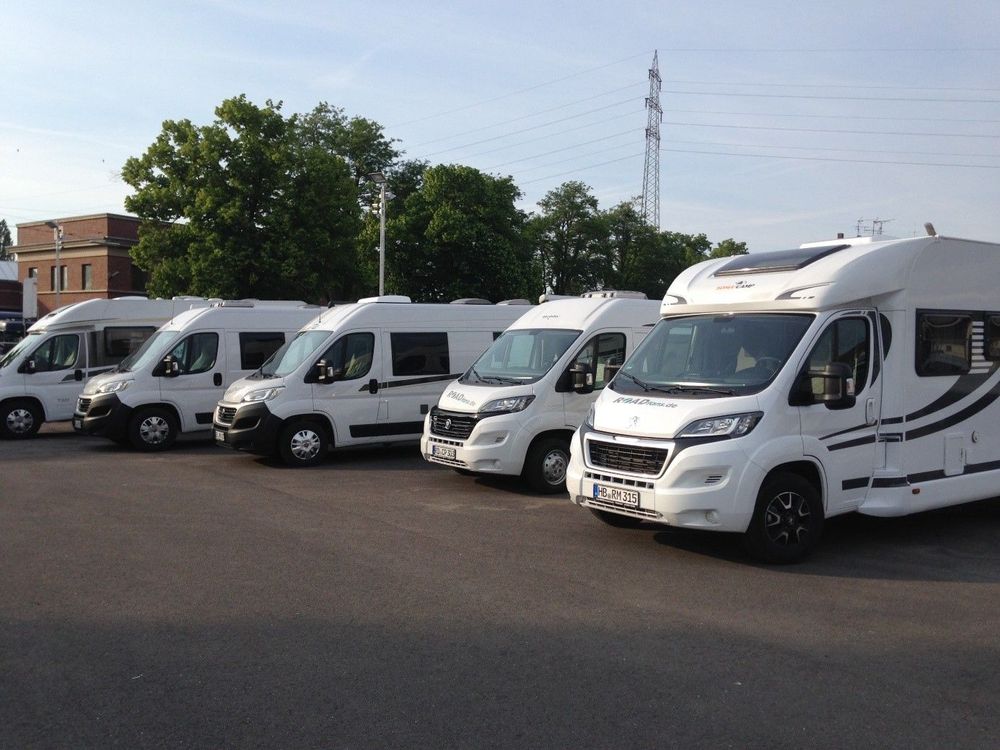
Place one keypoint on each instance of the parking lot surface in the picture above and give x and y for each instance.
(205, 598)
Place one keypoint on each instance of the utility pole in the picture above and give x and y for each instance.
(651, 170)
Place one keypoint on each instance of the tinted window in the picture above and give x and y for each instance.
(419, 353)
(991, 346)
(196, 353)
(846, 341)
(944, 344)
(600, 352)
(120, 342)
(57, 353)
(351, 356)
(255, 348)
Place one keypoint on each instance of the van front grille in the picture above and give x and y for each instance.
(83, 405)
(632, 459)
(225, 414)
(452, 424)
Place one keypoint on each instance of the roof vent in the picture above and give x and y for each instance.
(398, 299)
(614, 294)
(515, 302)
(471, 301)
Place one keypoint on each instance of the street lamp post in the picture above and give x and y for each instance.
(57, 232)
(379, 179)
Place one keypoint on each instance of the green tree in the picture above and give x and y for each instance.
(247, 206)
(729, 247)
(459, 235)
(570, 238)
(5, 240)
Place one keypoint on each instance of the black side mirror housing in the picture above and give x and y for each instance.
(832, 385)
(323, 372)
(581, 378)
(27, 367)
(167, 368)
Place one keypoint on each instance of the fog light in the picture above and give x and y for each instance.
(712, 516)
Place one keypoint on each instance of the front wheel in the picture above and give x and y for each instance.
(545, 466)
(152, 429)
(303, 444)
(19, 420)
(787, 520)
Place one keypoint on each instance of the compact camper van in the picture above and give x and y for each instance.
(515, 410)
(170, 385)
(783, 388)
(42, 376)
(360, 374)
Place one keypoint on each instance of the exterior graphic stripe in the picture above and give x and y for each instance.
(854, 484)
(852, 443)
(958, 417)
(410, 381)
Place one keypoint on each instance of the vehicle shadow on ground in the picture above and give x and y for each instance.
(958, 544)
(384, 457)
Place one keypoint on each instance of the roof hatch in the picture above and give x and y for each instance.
(776, 262)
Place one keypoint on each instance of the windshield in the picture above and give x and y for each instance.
(712, 355)
(28, 341)
(287, 359)
(520, 356)
(149, 352)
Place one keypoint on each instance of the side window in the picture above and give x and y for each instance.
(351, 355)
(991, 346)
(944, 344)
(57, 353)
(846, 341)
(419, 353)
(255, 348)
(602, 350)
(119, 342)
(196, 353)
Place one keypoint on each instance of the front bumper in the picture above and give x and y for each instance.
(496, 445)
(702, 485)
(103, 415)
(246, 427)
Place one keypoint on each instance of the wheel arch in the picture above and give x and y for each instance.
(808, 470)
(562, 433)
(33, 400)
(322, 420)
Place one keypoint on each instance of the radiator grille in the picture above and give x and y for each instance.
(83, 405)
(225, 414)
(452, 424)
(633, 459)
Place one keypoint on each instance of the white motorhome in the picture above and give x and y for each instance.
(42, 376)
(171, 384)
(783, 388)
(515, 410)
(363, 373)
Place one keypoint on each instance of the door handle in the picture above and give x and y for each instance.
(871, 416)
(217, 378)
(373, 385)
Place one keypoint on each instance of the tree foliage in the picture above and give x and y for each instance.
(262, 207)
(5, 241)
(459, 235)
(569, 236)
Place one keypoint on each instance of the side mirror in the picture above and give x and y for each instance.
(323, 372)
(581, 378)
(168, 368)
(27, 367)
(832, 385)
(78, 375)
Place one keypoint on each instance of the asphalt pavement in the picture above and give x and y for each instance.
(203, 598)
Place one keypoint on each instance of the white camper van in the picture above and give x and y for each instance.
(363, 373)
(172, 383)
(515, 410)
(42, 376)
(783, 388)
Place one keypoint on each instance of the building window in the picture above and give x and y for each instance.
(33, 272)
(63, 277)
(88, 276)
(52, 278)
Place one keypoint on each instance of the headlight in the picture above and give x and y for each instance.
(507, 405)
(262, 394)
(733, 425)
(589, 421)
(115, 387)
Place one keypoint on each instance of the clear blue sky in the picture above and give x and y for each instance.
(753, 94)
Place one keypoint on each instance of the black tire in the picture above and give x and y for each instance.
(787, 521)
(152, 429)
(617, 520)
(20, 420)
(545, 465)
(303, 444)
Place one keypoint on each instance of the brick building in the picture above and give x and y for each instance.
(94, 261)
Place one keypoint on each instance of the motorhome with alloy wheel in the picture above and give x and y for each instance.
(515, 410)
(172, 383)
(42, 376)
(783, 388)
(360, 374)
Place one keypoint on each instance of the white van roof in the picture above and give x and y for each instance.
(815, 276)
(229, 314)
(582, 313)
(137, 310)
(392, 310)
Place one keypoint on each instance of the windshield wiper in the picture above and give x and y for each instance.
(496, 379)
(699, 389)
(645, 386)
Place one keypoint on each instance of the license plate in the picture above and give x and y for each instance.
(220, 436)
(77, 423)
(616, 495)
(443, 451)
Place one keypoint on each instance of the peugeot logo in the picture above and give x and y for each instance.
(633, 422)
(447, 424)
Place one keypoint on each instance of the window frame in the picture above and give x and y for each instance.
(831, 325)
(250, 337)
(183, 364)
(431, 339)
(595, 356)
(919, 358)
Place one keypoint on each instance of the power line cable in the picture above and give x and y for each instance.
(842, 150)
(844, 161)
(829, 130)
(834, 98)
(831, 86)
(565, 148)
(832, 117)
